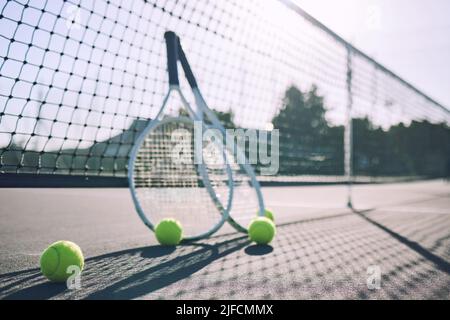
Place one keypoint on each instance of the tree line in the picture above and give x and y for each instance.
(309, 145)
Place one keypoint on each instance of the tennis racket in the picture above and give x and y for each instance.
(166, 177)
(247, 197)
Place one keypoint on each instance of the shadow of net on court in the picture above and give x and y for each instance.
(313, 259)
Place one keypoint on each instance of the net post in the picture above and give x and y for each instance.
(348, 134)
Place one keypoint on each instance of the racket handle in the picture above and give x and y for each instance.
(186, 67)
(172, 57)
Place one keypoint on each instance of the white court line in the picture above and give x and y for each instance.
(415, 210)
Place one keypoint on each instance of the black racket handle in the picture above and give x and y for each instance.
(172, 44)
(186, 67)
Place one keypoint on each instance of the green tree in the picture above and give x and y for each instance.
(308, 144)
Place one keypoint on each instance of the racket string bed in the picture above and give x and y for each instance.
(168, 182)
(245, 205)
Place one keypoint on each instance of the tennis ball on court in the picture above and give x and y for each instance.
(169, 232)
(261, 230)
(58, 257)
(269, 214)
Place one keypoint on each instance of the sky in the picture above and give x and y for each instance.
(410, 37)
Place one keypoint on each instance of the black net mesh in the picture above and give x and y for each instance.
(80, 79)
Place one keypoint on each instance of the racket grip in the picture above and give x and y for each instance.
(186, 67)
(172, 56)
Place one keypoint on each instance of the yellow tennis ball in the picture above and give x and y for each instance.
(269, 214)
(169, 232)
(261, 230)
(58, 257)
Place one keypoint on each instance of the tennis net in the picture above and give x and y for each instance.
(79, 80)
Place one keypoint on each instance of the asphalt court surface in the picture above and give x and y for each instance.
(322, 249)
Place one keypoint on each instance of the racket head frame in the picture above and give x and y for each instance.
(223, 209)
